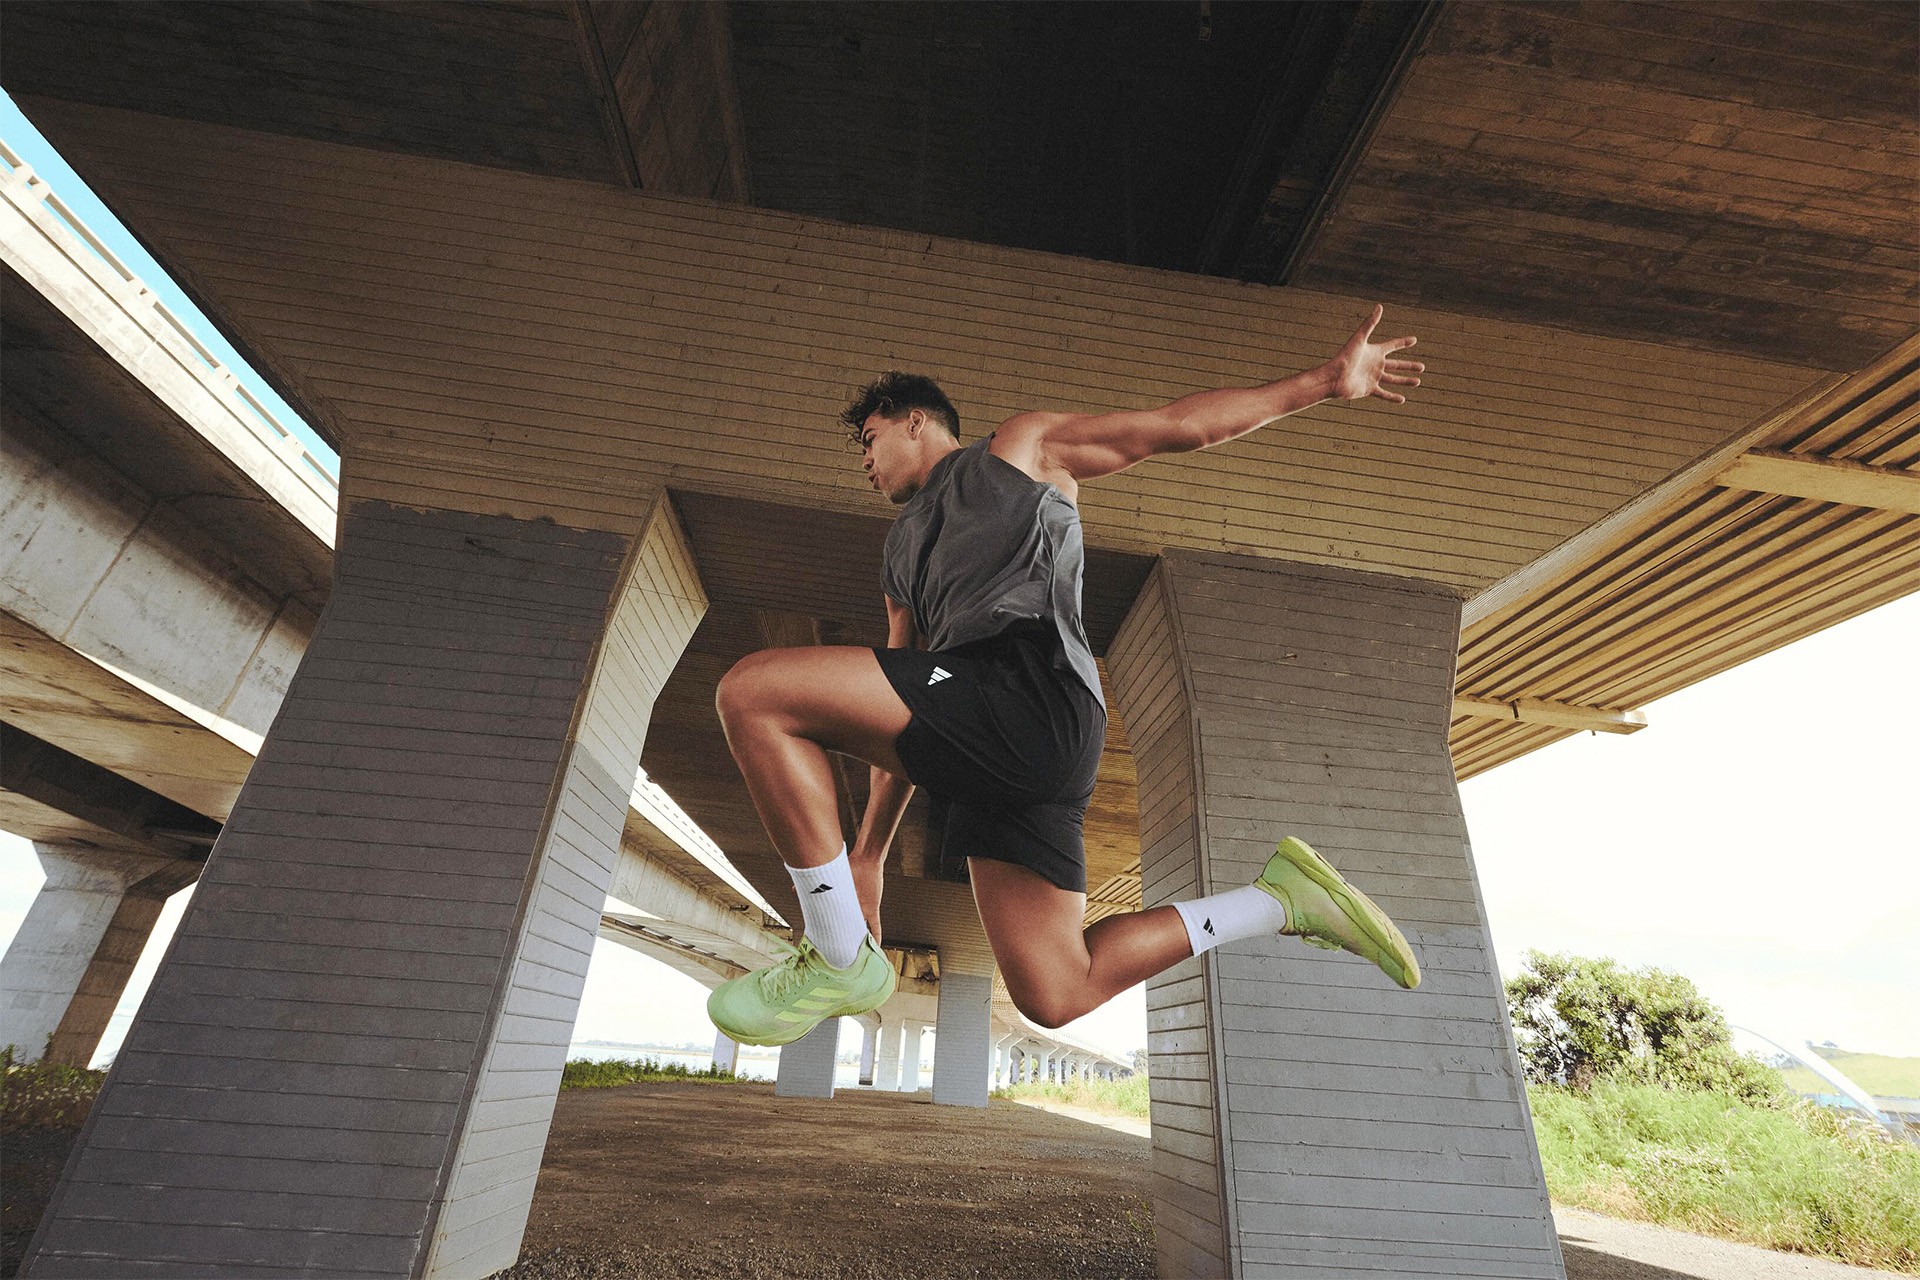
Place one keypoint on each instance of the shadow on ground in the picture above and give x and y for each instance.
(1587, 1263)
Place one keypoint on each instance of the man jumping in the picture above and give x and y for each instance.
(987, 696)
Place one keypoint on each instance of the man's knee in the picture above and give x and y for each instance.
(1044, 1008)
(743, 690)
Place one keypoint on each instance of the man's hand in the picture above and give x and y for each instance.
(1366, 368)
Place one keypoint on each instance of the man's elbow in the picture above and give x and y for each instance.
(1182, 435)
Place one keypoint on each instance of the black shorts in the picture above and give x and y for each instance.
(1010, 742)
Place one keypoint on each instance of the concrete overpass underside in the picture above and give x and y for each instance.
(578, 290)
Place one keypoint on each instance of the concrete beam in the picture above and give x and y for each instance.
(1824, 480)
(52, 796)
(1563, 715)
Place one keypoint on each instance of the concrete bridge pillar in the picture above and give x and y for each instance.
(963, 1039)
(1307, 1111)
(726, 1053)
(1003, 1050)
(886, 1070)
(807, 1065)
(67, 966)
(912, 1034)
(869, 1048)
(348, 1062)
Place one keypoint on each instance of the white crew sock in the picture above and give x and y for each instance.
(1237, 913)
(830, 909)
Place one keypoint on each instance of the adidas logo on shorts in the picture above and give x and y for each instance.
(939, 674)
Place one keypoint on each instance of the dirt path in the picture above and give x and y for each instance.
(700, 1182)
(687, 1180)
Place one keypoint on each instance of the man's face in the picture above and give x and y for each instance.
(889, 457)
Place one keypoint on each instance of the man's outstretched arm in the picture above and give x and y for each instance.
(1085, 446)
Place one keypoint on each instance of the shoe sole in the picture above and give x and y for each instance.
(844, 1011)
(1359, 909)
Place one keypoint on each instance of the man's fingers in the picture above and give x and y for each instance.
(1366, 329)
(1391, 397)
(1401, 344)
(1400, 381)
(1405, 366)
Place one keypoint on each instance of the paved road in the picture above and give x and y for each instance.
(1602, 1248)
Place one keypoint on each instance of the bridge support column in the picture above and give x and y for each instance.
(807, 1065)
(869, 1048)
(886, 1070)
(911, 1035)
(349, 1060)
(1305, 1109)
(69, 963)
(726, 1052)
(963, 1039)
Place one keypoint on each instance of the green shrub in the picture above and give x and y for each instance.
(1790, 1176)
(41, 1095)
(585, 1073)
(1578, 1020)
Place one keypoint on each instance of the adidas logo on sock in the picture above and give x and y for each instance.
(939, 674)
(820, 888)
(1207, 924)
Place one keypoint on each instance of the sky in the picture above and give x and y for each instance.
(1759, 836)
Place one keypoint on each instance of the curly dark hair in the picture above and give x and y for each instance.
(894, 393)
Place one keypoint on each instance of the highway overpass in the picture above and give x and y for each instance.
(577, 291)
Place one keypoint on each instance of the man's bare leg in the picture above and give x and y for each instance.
(783, 710)
(1056, 971)
(1055, 967)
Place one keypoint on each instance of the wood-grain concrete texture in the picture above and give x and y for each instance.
(542, 347)
(526, 346)
(1308, 1116)
(347, 1061)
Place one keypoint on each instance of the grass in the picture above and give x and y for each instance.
(1126, 1096)
(585, 1073)
(38, 1095)
(1878, 1074)
(1797, 1178)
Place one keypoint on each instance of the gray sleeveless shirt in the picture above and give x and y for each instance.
(983, 548)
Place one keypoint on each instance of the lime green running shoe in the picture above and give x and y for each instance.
(784, 1001)
(1323, 910)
